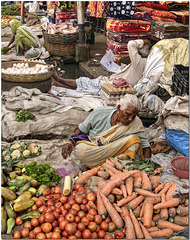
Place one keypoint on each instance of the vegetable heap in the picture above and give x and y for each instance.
(23, 116)
(144, 165)
(5, 20)
(15, 152)
(42, 173)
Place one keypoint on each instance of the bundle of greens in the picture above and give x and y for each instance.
(43, 173)
(4, 50)
(23, 116)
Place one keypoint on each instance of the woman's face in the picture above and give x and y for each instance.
(127, 115)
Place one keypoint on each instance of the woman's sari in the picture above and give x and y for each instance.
(119, 141)
(25, 38)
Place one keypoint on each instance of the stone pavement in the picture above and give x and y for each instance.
(92, 67)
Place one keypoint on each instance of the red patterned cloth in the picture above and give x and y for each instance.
(116, 48)
(163, 19)
(163, 14)
(128, 25)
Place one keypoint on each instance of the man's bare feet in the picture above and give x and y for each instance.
(55, 73)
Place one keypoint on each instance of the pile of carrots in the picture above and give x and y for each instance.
(142, 205)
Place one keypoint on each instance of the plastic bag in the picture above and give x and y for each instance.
(32, 53)
(179, 140)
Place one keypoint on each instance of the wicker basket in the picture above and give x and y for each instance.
(60, 49)
(60, 38)
(24, 77)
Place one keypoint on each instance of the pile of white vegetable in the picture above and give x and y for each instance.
(23, 68)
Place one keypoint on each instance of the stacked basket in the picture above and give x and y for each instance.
(60, 44)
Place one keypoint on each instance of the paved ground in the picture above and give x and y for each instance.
(92, 67)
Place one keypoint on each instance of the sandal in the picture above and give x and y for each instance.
(159, 147)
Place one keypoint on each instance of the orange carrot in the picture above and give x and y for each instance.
(145, 192)
(129, 185)
(123, 175)
(165, 224)
(155, 181)
(103, 174)
(136, 211)
(111, 198)
(156, 211)
(112, 212)
(154, 200)
(167, 232)
(107, 188)
(165, 188)
(182, 211)
(116, 191)
(145, 232)
(110, 172)
(125, 212)
(141, 211)
(94, 189)
(137, 180)
(117, 164)
(171, 191)
(83, 179)
(92, 205)
(130, 231)
(118, 197)
(118, 209)
(148, 213)
(186, 202)
(171, 203)
(124, 190)
(135, 202)
(101, 169)
(127, 199)
(152, 229)
(164, 211)
(182, 221)
(146, 184)
(136, 225)
(100, 205)
(156, 217)
(159, 188)
(110, 163)
(106, 165)
(172, 212)
(94, 180)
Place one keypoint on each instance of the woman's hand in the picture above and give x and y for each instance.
(66, 150)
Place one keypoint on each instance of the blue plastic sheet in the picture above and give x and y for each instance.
(179, 140)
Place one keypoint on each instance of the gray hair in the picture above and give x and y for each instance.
(144, 51)
(129, 100)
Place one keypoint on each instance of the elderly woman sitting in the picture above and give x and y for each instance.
(110, 132)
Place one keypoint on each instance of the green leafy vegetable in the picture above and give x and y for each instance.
(42, 173)
(23, 116)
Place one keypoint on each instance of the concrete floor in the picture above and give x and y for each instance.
(92, 67)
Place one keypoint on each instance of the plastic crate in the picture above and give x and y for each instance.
(180, 80)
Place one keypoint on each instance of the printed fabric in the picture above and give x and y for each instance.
(121, 9)
(100, 9)
(128, 26)
(92, 8)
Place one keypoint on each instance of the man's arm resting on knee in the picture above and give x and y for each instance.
(147, 152)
